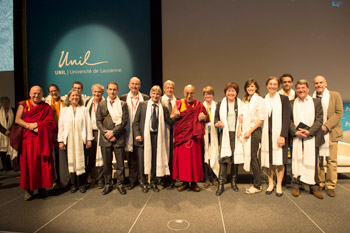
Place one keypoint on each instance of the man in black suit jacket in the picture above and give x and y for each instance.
(148, 115)
(306, 135)
(111, 119)
(133, 99)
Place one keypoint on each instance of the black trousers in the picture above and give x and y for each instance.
(95, 173)
(134, 168)
(254, 162)
(6, 161)
(140, 156)
(107, 155)
(224, 162)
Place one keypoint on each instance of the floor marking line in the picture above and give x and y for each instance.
(343, 187)
(222, 215)
(63, 211)
(137, 218)
(287, 195)
(11, 200)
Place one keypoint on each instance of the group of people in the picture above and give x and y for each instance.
(166, 139)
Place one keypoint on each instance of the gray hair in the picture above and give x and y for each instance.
(67, 102)
(168, 82)
(99, 86)
(156, 88)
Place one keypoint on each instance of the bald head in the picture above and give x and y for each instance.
(36, 94)
(189, 93)
(320, 84)
(134, 85)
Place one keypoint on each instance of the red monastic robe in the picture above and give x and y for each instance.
(188, 139)
(37, 168)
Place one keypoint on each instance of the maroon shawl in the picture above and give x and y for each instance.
(188, 126)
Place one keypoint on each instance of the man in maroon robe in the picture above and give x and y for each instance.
(36, 119)
(188, 139)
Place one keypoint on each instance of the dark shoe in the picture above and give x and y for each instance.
(107, 189)
(183, 187)
(144, 188)
(171, 185)
(317, 194)
(73, 189)
(195, 187)
(155, 188)
(28, 196)
(131, 186)
(42, 193)
(279, 194)
(220, 189)
(100, 184)
(206, 184)
(234, 185)
(331, 192)
(216, 183)
(82, 189)
(270, 192)
(301, 187)
(296, 192)
(121, 190)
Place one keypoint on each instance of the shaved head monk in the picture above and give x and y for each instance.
(188, 137)
(37, 122)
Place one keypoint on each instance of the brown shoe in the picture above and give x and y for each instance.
(331, 192)
(28, 196)
(206, 184)
(296, 192)
(195, 187)
(317, 194)
(321, 188)
(216, 183)
(183, 187)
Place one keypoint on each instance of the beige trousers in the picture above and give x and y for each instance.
(329, 180)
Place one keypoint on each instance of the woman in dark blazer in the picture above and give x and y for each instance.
(274, 144)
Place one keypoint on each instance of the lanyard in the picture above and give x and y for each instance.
(209, 114)
(132, 103)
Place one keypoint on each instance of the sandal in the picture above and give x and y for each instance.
(253, 190)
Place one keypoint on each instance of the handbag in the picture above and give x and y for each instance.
(16, 137)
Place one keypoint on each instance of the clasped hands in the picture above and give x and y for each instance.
(32, 127)
(110, 136)
(302, 133)
(175, 114)
(202, 117)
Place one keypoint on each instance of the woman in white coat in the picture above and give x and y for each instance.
(75, 133)
(211, 147)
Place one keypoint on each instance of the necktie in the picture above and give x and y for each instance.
(170, 106)
(154, 118)
(112, 101)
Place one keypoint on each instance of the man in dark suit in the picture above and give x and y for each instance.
(111, 119)
(150, 139)
(133, 99)
(305, 128)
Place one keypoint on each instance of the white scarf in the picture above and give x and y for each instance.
(211, 151)
(4, 140)
(274, 106)
(162, 167)
(167, 127)
(303, 161)
(243, 145)
(75, 143)
(324, 148)
(99, 159)
(115, 111)
(129, 145)
(291, 95)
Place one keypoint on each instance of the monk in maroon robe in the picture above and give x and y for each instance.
(188, 139)
(36, 119)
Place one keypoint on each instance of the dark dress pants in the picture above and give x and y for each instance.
(95, 173)
(107, 155)
(254, 163)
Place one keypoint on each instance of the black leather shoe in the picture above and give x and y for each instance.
(100, 184)
(131, 186)
(42, 193)
(122, 190)
(82, 189)
(155, 188)
(171, 185)
(270, 192)
(279, 194)
(73, 189)
(220, 189)
(107, 189)
(144, 188)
